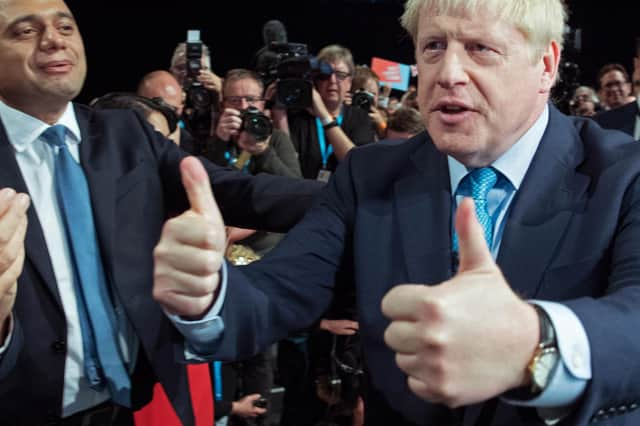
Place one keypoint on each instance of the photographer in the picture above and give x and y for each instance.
(365, 90)
(324, 133)
(201, 87)
(242, 117)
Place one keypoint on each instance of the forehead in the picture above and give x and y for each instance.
(613, 75)
(12, 10)
(339, 65)
(460, 23)
(243, 85)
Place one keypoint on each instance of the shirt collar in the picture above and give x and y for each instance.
(23, 129)
(514, 163)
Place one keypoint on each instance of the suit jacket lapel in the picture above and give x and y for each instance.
(423, 206)
(35, 244)
(542, 208)
(101, 181)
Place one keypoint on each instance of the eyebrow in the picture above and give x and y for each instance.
(34, 17)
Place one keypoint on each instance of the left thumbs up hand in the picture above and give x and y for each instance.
(467, 339)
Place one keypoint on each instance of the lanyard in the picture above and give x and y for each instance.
(324, 151)
(217, 380)
(232, 160)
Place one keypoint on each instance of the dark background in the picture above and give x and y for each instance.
(125, 40)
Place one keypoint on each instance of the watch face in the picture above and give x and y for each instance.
(544, 366)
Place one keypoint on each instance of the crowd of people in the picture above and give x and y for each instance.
(314, 233)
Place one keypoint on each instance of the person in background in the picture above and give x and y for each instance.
(614, 86)
(367, 83)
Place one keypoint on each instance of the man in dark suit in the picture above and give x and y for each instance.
(553, 218)
(624, 118)
(133, 183)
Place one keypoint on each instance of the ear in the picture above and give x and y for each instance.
(550, 62)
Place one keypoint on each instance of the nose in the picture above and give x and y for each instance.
(452, 71)
(51, 39)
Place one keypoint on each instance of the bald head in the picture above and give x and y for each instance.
(162, 84)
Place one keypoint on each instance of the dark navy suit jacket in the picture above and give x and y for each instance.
(134, 180)
(622, 118)
(572, 235)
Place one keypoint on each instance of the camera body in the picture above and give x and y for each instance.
(260, 402)
(294, 71)
(198, 101)
(363, 99)
(256, 123)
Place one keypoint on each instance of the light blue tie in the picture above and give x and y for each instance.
(97, 316)
(481, 182)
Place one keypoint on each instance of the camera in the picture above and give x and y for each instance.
(260, 402)
(198, 100)
(363, 99)
(294, 70)
(256, 123)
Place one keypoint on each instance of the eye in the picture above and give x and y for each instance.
(435, 45)
(479, 48)
(25, 32)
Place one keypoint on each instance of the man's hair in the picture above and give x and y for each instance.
(240, 74)
(540, 21)
(181, 52)
(144, 106)
(612, 67)
(637, 47)
(406, 119)
(361, 75)
(334, 53)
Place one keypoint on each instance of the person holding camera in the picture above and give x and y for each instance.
(324, 133)
(244, 136)
(365, 90)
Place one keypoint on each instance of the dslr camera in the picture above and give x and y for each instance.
(294, 70)
(256, 123)
(363, 99)
(199, 100)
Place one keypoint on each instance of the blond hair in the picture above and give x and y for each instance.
(540, 21)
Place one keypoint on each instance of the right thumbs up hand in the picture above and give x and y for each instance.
(189, 255)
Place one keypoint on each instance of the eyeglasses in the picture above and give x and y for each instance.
(237, 100)
(614, 84)
(340, 75)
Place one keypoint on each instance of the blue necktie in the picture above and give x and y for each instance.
(481, 182)
(103, 360)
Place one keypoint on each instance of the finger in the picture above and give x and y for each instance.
(13, 215)
(404, 337)
(474, 253)
(9, 253)
(191, 229)
(403, 301)
(6, 195)
(188, 259)
(196, 182)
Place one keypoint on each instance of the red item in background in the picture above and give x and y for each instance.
(160, 412)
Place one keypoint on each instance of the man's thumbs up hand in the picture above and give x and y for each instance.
(467, 339)
(189, 255)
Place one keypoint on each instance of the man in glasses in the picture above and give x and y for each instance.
(624, 116)
(242, 92)
(324, 133)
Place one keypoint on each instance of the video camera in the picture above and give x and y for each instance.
(294, 70)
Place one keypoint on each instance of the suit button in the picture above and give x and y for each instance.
(59, 346)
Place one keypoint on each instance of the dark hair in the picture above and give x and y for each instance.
(145, 106)
(406, 119)
(612, 67)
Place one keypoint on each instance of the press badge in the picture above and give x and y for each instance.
(323, 175)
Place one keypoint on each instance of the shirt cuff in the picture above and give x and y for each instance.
(573, 371)
(7, 341)
(202, 334)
